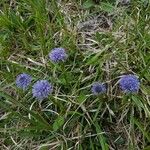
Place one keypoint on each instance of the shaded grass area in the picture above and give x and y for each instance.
(103, 41)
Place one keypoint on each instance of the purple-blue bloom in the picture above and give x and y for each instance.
(129, 83)
(41, 89)
(98, 88)
(23, 81)
(58, 54)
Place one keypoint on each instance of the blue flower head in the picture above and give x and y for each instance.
(23, 81)
(41, 89)
(129, 83)
(58, 54)
(98, 88)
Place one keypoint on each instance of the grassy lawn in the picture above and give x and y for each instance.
(103, 41)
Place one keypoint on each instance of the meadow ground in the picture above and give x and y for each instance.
(103, 40)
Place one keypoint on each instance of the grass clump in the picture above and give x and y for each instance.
(101, 43)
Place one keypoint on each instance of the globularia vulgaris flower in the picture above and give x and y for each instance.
(57, 55)
(98, 88)
(129, 83)
(42, 89)
(23, 81)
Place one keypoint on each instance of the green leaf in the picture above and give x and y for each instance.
(147, 148)
(96, 58)
(138, 102)
(88, 4)
(101, 138)
(81, 98)
(107, 7)
(142, 129)
(40, 121)
(58, 123)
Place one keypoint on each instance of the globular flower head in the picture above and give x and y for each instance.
(129, 83)
(98, 88)
(23, 81)
(41, 89)
(58, 54)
